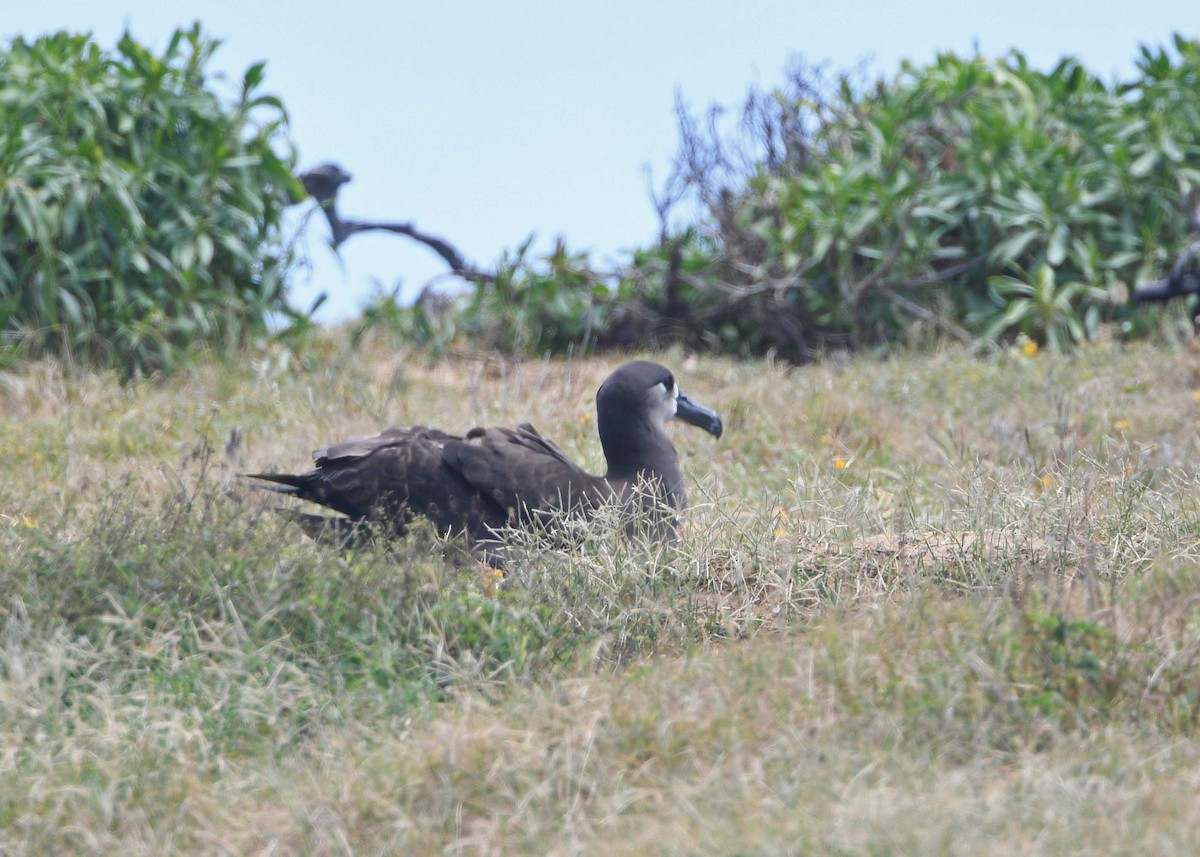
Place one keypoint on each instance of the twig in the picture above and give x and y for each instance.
(944, 274)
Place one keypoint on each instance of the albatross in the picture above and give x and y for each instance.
(478, 484)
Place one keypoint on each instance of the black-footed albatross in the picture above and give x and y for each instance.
(494, 477)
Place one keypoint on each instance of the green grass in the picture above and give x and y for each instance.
(937, 604)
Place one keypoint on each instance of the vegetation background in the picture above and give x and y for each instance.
(938, 602)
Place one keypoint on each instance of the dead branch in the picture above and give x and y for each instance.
(323, 183)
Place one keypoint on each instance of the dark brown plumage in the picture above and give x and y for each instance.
(491, 478)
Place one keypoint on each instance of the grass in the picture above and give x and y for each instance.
(935, 604)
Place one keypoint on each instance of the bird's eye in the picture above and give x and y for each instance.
(669, 382)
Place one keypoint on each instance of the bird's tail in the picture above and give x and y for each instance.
(280, 483)
(342, 532)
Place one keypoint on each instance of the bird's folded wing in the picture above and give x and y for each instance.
(361, 447)
(522, 471)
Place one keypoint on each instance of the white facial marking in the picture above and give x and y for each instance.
(666, 410)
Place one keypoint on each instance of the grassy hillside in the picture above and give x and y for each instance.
(938, 604)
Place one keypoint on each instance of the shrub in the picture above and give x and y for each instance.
(923, 201)
(972, 199)
(553, 304)
(139, 213)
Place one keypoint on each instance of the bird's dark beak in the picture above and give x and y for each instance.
(698, 415)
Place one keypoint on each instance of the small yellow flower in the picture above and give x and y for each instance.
(1030, 348)
(1121, 425)
(824, 440)
(498, 573)
(840, 463)
(781, 534)
(1196, 395)
(585, 418)
(1047, 481)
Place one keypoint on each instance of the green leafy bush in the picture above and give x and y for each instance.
(139, 213)
(924, 200)
(1045, 310)
(970, 199)
(549, 305)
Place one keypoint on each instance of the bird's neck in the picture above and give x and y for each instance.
(647, 456)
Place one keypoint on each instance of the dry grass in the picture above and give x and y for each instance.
(930, 605)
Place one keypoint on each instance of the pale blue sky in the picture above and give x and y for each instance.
(485, 121)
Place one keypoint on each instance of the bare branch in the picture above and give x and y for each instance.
(323, 183)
